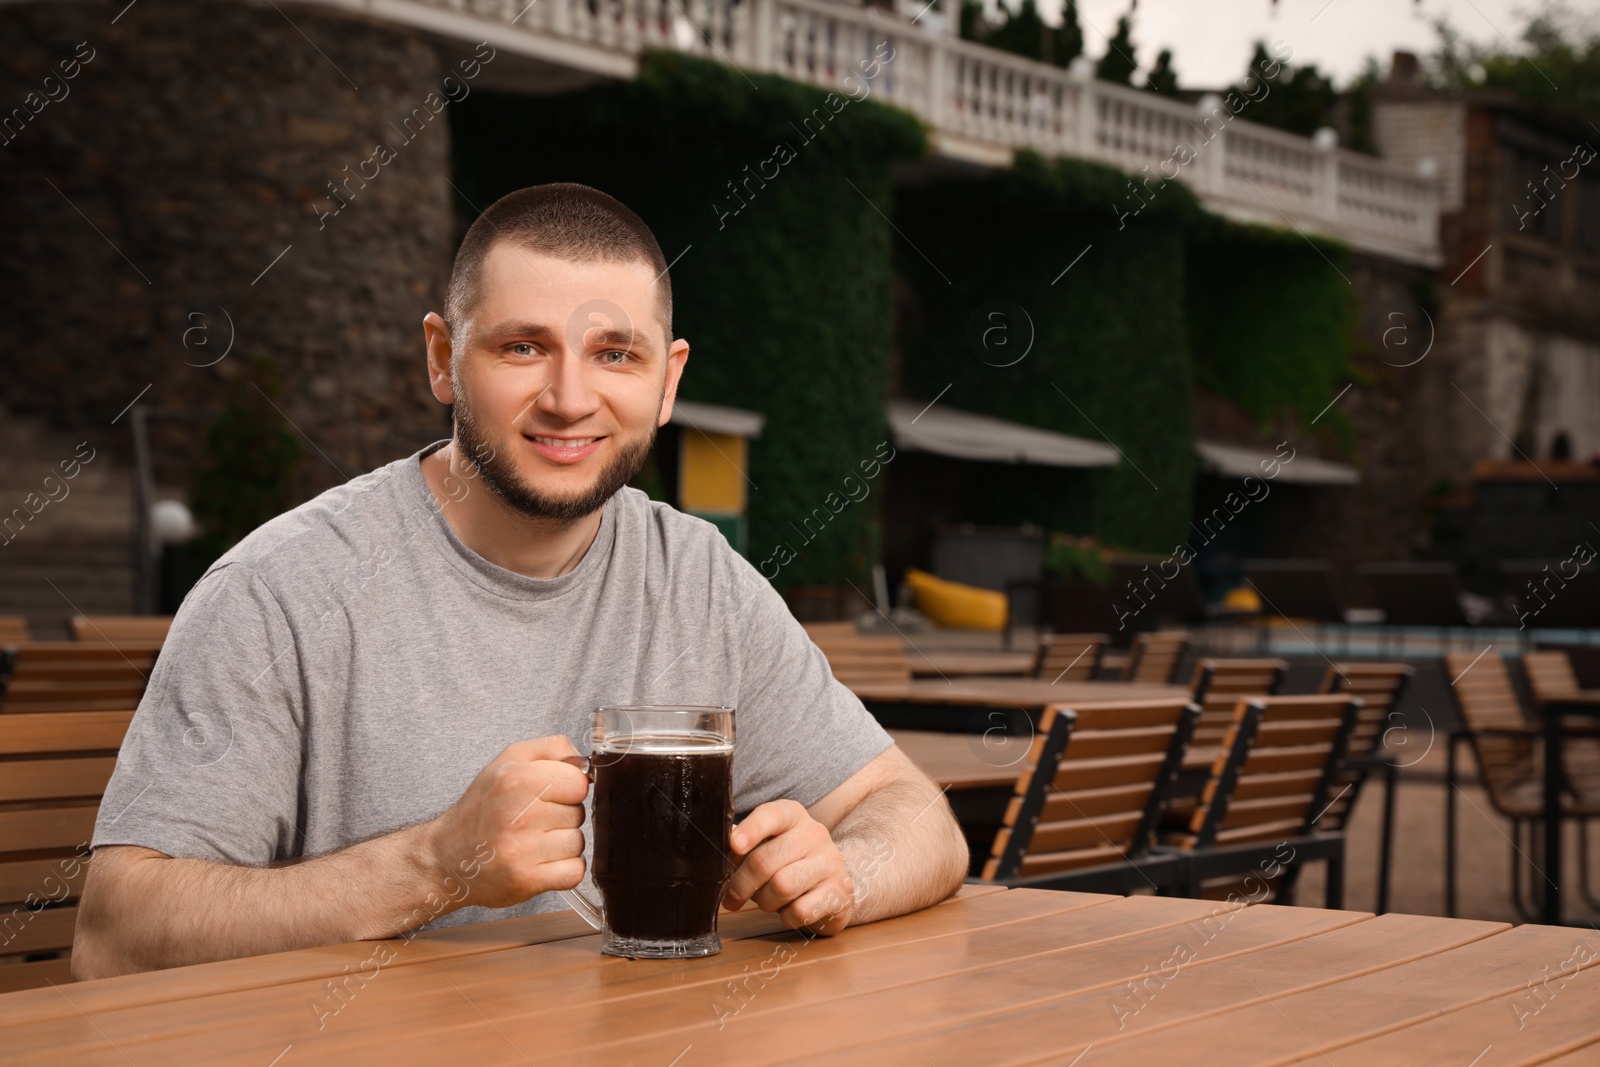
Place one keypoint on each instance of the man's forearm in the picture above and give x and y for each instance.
(147, 911)
(903, 848)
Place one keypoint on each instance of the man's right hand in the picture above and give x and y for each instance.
(527, 806)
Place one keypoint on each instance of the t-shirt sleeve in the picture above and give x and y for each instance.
(210, 768)
(800, 733)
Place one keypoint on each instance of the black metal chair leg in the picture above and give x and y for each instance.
(1527, 913)
(1333, 894)
(1450, 830)
(1386, 844)
(1583, 864)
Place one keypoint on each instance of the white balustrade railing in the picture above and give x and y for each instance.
(980, 103)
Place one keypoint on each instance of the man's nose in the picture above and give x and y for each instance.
(568, 394)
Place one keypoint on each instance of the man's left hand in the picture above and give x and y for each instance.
(787, 862)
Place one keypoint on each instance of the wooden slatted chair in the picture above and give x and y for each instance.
(14, 628)
(1550, 675)
(1156, 657)
(1380, 687)
(1218, 686)
(53, 770)
(56, 675)
(120, 627)
(865, 659)
(1257, 814)
(1506, 745)
(1068, 657)
(1085, 809)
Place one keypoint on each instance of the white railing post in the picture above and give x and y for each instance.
(761, 44)
(1328, 186)
(1088, 133)
(934, 103)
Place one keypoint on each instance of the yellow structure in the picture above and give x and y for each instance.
(714, 464)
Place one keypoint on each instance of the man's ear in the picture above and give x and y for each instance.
(436, 333)
(677, 356)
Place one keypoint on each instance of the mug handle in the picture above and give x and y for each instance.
(591, 912)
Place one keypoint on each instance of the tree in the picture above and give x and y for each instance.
(1298, 99)
(1162, 78)
(1068, 43)
(1557, 67)
(1118, 64)
(1022, 33)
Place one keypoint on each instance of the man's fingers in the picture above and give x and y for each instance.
(790, 883)
(768, 820)
(546, 780)
(758, 867)
(826, 909)
(551, 748)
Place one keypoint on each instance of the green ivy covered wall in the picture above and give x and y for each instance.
(1110, 355)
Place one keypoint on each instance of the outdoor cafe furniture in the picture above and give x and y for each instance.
(55, 768)
(1219, 683)
(861, 658)
(1086, 803)
(1068, 657)
(63, 675)
(120, 627)
(1380, 687)
(1257, 815)
(980, 705)
(1296, 589)
(1523, 783)
(1027, 976)
(1156, 657)
(14, 628)
(1416, 593)
(945, 663)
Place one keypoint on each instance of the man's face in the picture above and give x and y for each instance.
(559, 380)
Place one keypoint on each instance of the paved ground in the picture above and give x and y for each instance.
(1484, 850)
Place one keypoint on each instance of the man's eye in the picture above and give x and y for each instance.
(522, 348)
(614, 358)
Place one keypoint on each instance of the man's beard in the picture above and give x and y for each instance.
(499, 473)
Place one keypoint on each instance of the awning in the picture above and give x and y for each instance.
(1240, 461)
(711, 418)
(919, 427)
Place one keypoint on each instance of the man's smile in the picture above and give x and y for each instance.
(563, 449)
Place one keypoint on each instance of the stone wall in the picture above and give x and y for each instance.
(165, 178)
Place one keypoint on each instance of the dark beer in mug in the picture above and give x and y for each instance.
(662, 813)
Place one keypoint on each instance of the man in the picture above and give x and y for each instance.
(361, 719)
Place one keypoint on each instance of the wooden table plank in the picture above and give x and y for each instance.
(965, 761)
(1011, 692)
(1165, 987)
(958, 664)
(1567, 1021)
(1331, 1016)
(239, 1027)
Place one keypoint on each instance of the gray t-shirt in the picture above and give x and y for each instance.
(349, 667)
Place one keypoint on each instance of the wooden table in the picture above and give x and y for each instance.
(986, 705)
(936, 664)
(991, 976)
(966, 761)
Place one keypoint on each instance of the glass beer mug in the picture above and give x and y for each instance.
(662, 813)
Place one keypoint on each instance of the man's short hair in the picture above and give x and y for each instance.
(561, 219)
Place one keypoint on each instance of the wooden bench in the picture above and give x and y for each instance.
(1219, 685)
(1156, 657)
(1086, 805)
(120, 627)
(1068, 657)
(53, 771)
(1380, 686)
(865, 659)
(1258, 812)
(57, 675)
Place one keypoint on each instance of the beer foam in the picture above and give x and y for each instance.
(677, 744)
